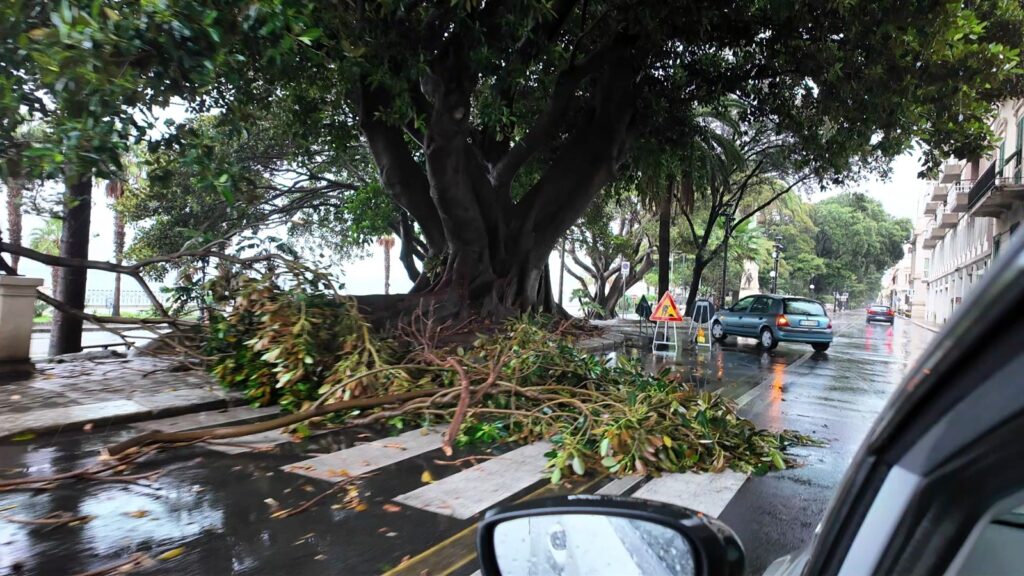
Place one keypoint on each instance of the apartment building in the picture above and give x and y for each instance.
(974, 208)
(898, 281)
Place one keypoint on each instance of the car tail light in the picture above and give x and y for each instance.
(890, 312)
(829, 324)
(782, 320)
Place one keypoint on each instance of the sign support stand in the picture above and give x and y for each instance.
(666, 312)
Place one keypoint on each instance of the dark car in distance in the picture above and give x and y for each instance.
(880, 313)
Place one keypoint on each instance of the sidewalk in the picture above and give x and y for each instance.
(927, 325)
(102, 391)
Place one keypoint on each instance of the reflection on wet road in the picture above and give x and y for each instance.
(216, 507)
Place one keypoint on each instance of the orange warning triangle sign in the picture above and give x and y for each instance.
(666, 310)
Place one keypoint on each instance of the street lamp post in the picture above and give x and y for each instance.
(728, 211)
(776, 255)
(812, 289)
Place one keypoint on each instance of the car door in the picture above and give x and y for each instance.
(733, 318)
(938, 486)
(760, 313)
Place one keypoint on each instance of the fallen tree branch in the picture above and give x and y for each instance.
(158, 437)
(135, 561)
(51, 520)
(288, 512)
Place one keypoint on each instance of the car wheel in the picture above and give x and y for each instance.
(767, 339)
(718, 331)
(821, 347)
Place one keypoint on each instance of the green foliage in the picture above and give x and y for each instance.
(47, 238)
(618, 417)
(291, 345)
(858, 240)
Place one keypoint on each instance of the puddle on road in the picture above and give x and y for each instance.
(214, 506)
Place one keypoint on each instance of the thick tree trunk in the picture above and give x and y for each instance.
(699, 264)
(14, 195)
(664, 241)
(492, 250)
(115, 308)
(66, 336)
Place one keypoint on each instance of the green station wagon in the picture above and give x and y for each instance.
(772, 319)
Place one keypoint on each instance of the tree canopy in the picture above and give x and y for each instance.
(493, 125)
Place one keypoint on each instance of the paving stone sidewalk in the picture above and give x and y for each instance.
(104, 390)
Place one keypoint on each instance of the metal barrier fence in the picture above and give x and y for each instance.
(105, 298)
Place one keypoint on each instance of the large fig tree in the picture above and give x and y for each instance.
(495, 123)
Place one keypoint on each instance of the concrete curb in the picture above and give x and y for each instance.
(142, 414)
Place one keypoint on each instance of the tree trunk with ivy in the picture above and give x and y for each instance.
(14, 196)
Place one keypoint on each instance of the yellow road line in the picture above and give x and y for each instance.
(455, 552)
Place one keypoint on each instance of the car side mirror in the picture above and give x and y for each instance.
(589, 534)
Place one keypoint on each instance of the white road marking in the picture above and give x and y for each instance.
(708, 493)
(367, 457)
(619, 486)
(475, 489)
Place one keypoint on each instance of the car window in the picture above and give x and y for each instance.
(998, 547)
(807, 307)
(761, 305)
(743, 305)
(879, 308)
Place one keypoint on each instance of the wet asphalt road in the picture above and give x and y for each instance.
(209, 510)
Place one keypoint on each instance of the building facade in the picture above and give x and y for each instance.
(973, 210)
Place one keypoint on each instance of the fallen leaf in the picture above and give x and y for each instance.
(308, 488)
(393, 445)
(172, 554)
(138, 513)
(392, 508)
(6, 508)
(87, 427)
(427, 477)
(391, 534)
(23, 436)
(338, 472)
(405, 559)
(272, 503)
(319, 557)
(15, 397)
(361, 507)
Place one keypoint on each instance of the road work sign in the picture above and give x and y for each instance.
(666, 310)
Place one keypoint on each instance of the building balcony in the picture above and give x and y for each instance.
(950, 173)
(995, 204)
(937, 233)
(930, 208)
(957, 202)
(930, 242)
(947, 221)
(939, 193)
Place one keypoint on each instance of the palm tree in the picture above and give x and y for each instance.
(15, 188)
(387, 242)
(115, 191)
(47, 240)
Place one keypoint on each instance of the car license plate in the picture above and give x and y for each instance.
(808, 323)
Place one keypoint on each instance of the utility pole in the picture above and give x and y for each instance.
(728, 210)
(776, 255)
